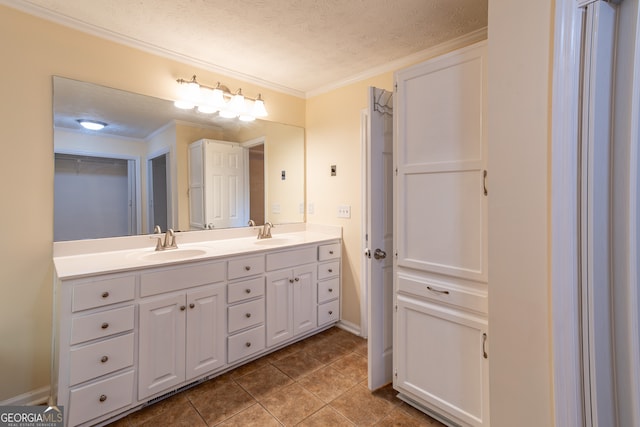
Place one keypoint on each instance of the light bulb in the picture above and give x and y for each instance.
(91, 124)
(258, 108)
(207, 105)
(237, 104)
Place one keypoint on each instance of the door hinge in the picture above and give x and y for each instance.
(395, 87)
(396, 254)
(396, 308)
(396, 171)
(395, 373)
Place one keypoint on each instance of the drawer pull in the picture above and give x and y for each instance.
(248, 291)
(183, 308)
(330, 312)
(248, 267)
(103, 397)
(438, 291)
(105, 325)
(105, 294)
(248, 344)
(330, 252)
(484, 348)
(330, 289)
(297, 279)
(331, 270)
(290, 280)
(104, 359)
(248, 315)
(192, 305)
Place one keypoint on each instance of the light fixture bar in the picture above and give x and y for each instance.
(209, 99)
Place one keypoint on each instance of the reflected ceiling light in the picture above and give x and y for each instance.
(208, 100)
(91, 124)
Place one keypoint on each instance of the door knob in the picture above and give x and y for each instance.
(379, 254)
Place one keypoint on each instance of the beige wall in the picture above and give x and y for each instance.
(520, 49)
(32, 50)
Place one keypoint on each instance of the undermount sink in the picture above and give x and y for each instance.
(173, 254)
(275, 241)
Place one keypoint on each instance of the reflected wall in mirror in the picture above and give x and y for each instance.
(134, 174)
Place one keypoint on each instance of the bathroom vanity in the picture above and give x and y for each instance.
(134, 325)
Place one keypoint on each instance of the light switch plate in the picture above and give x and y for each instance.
(311, 209)
(344, 211)
(275, 208)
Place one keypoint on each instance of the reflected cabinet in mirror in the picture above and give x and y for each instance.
(153, 164)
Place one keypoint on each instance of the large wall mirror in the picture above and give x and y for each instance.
(136, 172)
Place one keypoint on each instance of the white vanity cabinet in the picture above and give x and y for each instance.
(124, 339)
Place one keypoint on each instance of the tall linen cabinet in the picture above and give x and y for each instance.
(440, 351)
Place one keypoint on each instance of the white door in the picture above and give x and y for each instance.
(224, 185)
(279, 307)
(304, 299)
(206, 330)
(162, 344)
(379, 237)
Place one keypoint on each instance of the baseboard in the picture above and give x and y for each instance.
(349, 327)
(34, 397)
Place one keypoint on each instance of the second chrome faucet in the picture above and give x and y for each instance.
(169, 239)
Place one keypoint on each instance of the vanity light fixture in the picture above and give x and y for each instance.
(91, 124)
(209, 100)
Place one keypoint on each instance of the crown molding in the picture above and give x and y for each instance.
(442, 48)
(103, 33)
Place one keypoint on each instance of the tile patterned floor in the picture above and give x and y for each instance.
(321, 381)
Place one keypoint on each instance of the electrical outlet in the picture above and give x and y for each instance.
(275, 208)
(301, 208)
(344, 211)
(311, 209)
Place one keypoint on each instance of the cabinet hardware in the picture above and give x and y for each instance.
(330, 289)
(248, 267)
(105, 325)
(297, 279)
(484, 182)
(103, 397)
(248, 344)
(330, 312)
(105, 295)
(484, 342)
(379, 254)
(248, 315)
(183, 308)
(290, 280)
(330, 252)
(192, 305)
(248, 291)
(438, 291)
(104, 359)
(331, 270)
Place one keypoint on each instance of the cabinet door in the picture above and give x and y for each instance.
(161, 344)
(279, 307)
(440, 360)
(206, 330)
(304, 299)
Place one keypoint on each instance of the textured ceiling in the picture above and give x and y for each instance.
(302, 45)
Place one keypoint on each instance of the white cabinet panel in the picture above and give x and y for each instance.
(442, 361)
(304, 299)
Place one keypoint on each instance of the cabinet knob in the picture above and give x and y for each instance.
(103, 397)
(330, 312)
(248, 315)
(290, 280)
(104, 359)
(248, 267)
(105, 294)
(331, 270)
(248, 291)
(192, 305)
(248, 344)
(183, 308)
(330, 252)
(105, 325)
(297, 279)
(330, 289)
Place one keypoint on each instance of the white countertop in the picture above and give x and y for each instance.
(72, 262)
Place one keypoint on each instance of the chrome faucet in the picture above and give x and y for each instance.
(251, 223)
(265, 233)
(169, 240)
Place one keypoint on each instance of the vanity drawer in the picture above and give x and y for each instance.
(246, 343)
(442, 292)
(331, 251)
(100, 398)
(103, 324)
(175, 279)
(246, 267)
(328, 269)
(278, 260)
(101, 358)
(245, 315)
(103, 292)
(328, 290)
(328, 312)
(245, 290)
